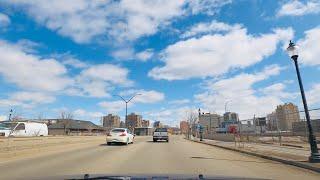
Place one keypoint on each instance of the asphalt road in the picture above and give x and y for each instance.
(144, 157)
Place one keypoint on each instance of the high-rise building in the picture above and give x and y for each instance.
(287, 114)
(230, 116)
(184, 126)
(145, 123)
(272, 122)
(133, 120)
(210, 121)
(111, 121)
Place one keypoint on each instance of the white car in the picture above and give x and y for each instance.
(120, 135)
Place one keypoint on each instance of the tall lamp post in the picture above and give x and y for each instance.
(10, 114)
(225, 105)
(127, 101)
(293, 53)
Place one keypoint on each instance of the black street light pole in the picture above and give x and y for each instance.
(10, 114)
(315, 156)
(127, 101)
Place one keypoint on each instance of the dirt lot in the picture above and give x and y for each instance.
(16, 148)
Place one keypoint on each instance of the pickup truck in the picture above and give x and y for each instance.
(160, 134)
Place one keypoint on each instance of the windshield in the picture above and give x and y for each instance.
(161, 130)
(118, 130)
(9, 126)
(160, 88)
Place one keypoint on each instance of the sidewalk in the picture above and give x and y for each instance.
(288, 155)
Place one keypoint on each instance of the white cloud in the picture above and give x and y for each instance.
(113, 106)
(20, 66)
(124, 54)
(27, 99)
(122, 20)
(106, 72)
(145, 55)
(297, 8)
(309, 47)
(277, 90)
(216, 54)
(83, 114)
(73, 62)
(179, 101)
(209, 7)
(206, 28)
(130, 54)
(169, 116)
(4, 20)
(3, 118)
(98, 80)
(244, 98)
(29, 71)
(147, 96)
(313, 95)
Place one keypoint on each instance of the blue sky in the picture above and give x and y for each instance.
(74, 56)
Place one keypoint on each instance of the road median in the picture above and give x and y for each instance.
(255, 150)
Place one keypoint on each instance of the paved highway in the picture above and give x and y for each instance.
(179, 156)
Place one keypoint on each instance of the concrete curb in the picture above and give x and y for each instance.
(284, 161)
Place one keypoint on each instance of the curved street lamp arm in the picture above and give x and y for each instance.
(121, 98)
(133, 96)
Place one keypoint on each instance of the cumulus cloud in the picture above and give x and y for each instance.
(208, 28)
(179, 101)
(246, 100)
(131, 54)
(216, 54)
(83, 20)
(146, 96)
(209, 7)
(98, 80)
(20, 66)
(29, 71)
(84, 114)
(169, 116)
(297, 8)
(113, 106)
(3, 118)
(4, 20)
(27, 99)
(309, 47)
(145, 55)
(313, 95)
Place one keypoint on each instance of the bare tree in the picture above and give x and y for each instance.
(192, 118)
(65, 118)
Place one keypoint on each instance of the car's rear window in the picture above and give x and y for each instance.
(161, 130)
(117, 130)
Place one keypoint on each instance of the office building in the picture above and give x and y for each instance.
(111, 121)
(230, 116)
(287, 114)
(184, 126)
(133, 120)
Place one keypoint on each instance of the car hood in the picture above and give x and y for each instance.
(153, 177)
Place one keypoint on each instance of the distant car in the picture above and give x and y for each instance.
(160, 134)
(120, 135)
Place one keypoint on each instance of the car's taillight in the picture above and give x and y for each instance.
(108, 134)
(123, 134)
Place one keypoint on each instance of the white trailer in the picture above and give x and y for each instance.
(20, 129)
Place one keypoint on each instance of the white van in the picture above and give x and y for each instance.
(17, 129)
